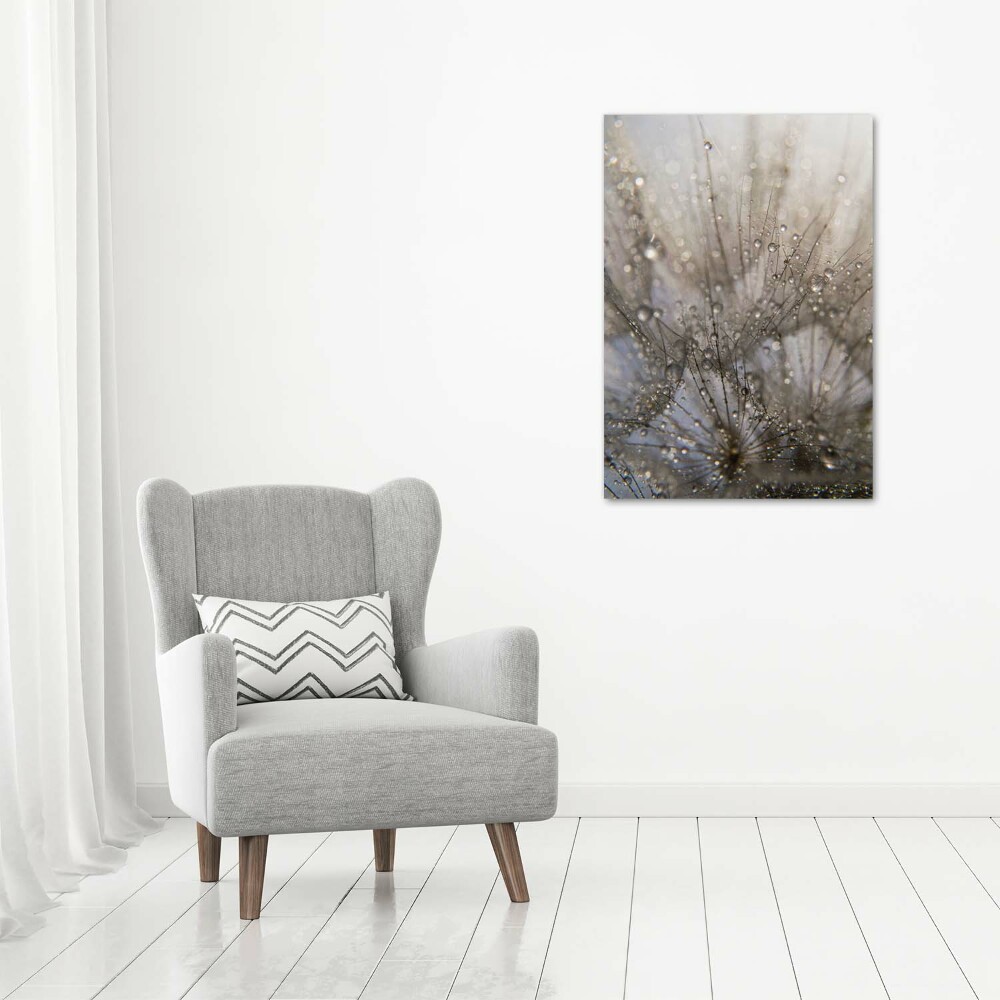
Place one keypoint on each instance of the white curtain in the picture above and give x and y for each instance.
(67, 783)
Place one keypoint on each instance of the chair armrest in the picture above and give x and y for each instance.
(197, 682)
(494, 672)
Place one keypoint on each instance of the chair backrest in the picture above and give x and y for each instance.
(288, 543)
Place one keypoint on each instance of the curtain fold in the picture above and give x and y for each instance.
(67, 782)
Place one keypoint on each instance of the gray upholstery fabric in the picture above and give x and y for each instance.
(288, 543)
(495, 672)
(406, 529)
(283, 543)
(347, 764)
(166, 536)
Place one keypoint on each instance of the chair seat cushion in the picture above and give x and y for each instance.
(354, 764)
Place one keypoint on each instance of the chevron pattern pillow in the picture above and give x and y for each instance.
(315, 649)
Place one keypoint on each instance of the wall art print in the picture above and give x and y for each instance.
(738, 306)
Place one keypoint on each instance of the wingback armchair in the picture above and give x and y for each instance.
(467, 750)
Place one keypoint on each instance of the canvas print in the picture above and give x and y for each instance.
(738, 306)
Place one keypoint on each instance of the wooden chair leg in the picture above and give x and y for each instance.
(503, 837)
(253, 855)
(385, 849)
(209, 848)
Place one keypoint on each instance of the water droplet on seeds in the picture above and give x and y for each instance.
(796, 237)
(716, 308)
(674, 371)
(707, 144)
(771, 247)
(828, 274)
(757, 244)
(644, 314)
(841, 178)
(782, 228)
(816, 283)
(639, 181)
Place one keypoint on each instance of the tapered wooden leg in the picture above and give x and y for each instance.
(385, 849)
(503, 837)
(209, 847)
(253, 855)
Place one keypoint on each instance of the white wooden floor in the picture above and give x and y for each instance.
(712, 909)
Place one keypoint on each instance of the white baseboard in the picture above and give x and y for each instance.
(779, 800)
(736, 800)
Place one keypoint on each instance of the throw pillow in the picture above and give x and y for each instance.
(308, 649)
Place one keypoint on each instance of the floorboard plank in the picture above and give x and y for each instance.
(55, 993)
(317, 888)
(829, 952)
(189, 948)
(342, 958)
(505, 957)
(668, 952)
(965, 915)
(345, 953)
(417, 852)
(145, 861)
(745, 934)
(978, 842)
(261, 957)
(588, 950)
(22, 957)
(436, 932)
(914, 962)
(80, 909)
(100, 954)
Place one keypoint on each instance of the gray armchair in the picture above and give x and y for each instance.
(466, 751)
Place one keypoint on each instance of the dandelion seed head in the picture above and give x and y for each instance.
(755, 362)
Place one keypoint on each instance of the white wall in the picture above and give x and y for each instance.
(355, 241)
